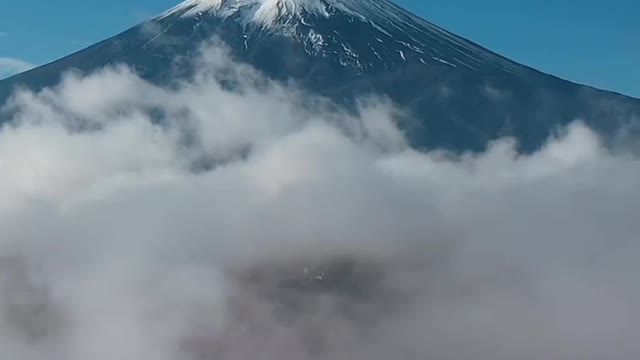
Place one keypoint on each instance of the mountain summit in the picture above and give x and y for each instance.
(367, 35)
(456, 94)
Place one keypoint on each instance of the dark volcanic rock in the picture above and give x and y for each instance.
(456, 94)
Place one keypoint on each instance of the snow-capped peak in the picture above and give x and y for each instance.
(367, 34)
(267, 11)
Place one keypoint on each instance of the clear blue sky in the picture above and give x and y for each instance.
(588, 41)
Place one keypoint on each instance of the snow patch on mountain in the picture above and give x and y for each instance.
(394, 36)
(269, 11)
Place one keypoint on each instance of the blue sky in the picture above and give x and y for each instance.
(588, 41)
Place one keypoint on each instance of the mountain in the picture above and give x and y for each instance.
(457, 94)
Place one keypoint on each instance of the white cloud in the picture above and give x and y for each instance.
(127, 238)
(9, 67)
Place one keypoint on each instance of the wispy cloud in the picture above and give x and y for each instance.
(139, 15)
(4, 33)
(10, 66)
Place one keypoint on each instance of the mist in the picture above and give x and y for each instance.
(251, 220)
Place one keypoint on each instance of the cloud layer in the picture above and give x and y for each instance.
(252, 221)
(10, 66)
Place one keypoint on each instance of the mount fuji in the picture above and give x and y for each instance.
(455, 94)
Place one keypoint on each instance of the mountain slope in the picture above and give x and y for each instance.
(458, 95)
